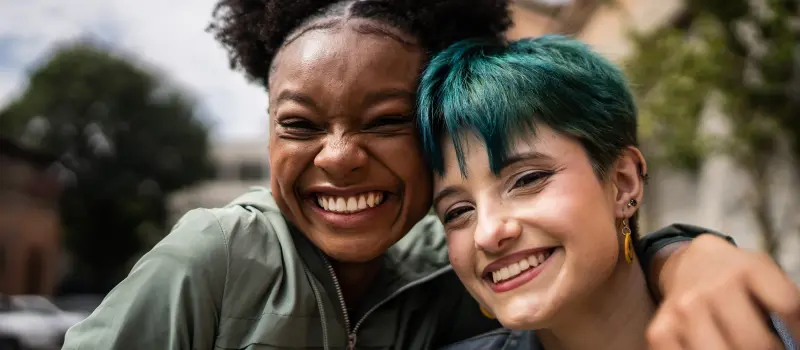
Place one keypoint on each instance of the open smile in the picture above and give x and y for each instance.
(350, 204)
(352, 209)
(517, 269)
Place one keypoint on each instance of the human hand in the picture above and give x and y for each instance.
(716, 297)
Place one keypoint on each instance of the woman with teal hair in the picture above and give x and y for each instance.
(538, 187)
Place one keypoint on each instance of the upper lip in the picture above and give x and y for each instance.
(342, 191)
(512, 258)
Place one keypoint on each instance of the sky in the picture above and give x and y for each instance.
(168, 35)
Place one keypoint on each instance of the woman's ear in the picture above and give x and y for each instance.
(628, 176)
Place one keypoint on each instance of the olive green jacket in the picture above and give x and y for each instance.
(241, 277)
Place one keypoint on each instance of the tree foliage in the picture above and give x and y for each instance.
(129, 139)
(747, 53)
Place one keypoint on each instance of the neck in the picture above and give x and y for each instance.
(614, 317)
(355, 279)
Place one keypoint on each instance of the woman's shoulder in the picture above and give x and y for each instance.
(249, 223)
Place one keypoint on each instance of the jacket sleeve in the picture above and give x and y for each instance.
(170, 300)
(650, 244)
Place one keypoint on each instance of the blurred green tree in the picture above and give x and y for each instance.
(129, 139)
(744, 53)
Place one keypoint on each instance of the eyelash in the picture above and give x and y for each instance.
(392, 121)
(298, 129)
(449, 216)
(306, 125)
(532, 178)
(299, 124)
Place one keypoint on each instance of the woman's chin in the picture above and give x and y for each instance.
(355, 250)
(524, 317)
(535, 308)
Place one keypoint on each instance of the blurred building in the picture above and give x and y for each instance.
(719, 195)
(240, 164)
(30, 225)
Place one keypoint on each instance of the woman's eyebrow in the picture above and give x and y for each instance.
(514, 158)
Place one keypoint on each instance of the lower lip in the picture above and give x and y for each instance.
(354, 220)
(523, 277)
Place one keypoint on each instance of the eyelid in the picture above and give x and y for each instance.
(389, 120)
(539, 174)
(453, 208)
(297, 122)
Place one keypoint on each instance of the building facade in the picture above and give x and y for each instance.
(30, 224)
(240, 164)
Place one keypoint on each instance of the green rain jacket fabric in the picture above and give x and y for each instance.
(242, 277)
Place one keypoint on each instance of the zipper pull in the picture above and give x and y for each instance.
(351, 341)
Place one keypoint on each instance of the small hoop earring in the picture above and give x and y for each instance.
(626, 231)
(486, 313)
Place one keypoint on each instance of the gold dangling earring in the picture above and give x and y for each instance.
(626, 231)
(486, 313)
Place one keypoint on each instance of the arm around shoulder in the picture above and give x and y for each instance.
(170, 300)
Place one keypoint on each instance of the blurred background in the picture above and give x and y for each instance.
(118, 116)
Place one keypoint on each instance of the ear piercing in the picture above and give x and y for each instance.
(632, 203)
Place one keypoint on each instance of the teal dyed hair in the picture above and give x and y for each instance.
(499, 90)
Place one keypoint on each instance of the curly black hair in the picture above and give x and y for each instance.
(253, 31)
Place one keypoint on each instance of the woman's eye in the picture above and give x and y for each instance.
(455, 213)
(300, 125)
(531, 178)
(389, 122)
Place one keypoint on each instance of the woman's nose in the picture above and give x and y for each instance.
(495, 233)
(340, 157)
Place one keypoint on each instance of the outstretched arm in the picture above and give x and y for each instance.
(713, 291)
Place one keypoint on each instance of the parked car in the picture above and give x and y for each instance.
(33, 322)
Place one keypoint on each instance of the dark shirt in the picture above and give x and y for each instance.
(505, 339)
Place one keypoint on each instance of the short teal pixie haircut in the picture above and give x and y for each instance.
(501, 90)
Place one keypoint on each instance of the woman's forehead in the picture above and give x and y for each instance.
(345, 61)
(543, 146)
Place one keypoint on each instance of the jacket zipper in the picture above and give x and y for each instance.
(351, 334)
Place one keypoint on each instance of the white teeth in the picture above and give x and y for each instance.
(514, 269)
(341, 205)
(350, 204)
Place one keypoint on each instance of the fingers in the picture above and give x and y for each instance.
(742, 323)
(703, 333)
(729, 318)
(664, 332)
(776, 292)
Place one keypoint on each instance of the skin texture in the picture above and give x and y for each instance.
(550, 197)
(341, 111)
